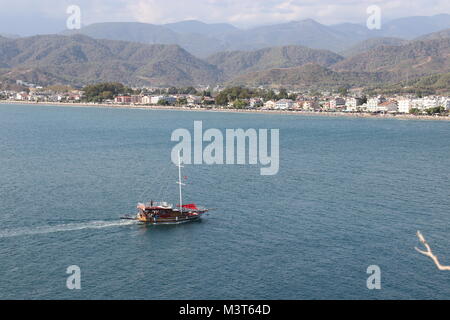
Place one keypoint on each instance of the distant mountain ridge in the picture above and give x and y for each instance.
(202, 39)
(79, 60)
(198, 27)
(195, 43)
(415, 58)
(412, 27)
(308, 33)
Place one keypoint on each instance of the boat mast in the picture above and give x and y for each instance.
(179, 180)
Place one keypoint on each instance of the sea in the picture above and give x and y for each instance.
(350, 194)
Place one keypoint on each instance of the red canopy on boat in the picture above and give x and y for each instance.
(191, 206)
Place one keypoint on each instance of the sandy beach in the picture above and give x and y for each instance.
(279, 112)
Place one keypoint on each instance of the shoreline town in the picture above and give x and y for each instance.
(408, 107)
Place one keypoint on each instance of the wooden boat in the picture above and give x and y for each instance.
(164, 213)
(157, 213)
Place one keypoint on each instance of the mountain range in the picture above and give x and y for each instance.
(235, 63)
(77, 59)
(308, 77)
(202, 39)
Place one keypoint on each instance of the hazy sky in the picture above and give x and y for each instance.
(27, 17)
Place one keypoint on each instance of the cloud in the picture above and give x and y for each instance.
(239, 12)
(257, 12)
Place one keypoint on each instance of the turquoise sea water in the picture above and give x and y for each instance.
(350, 193)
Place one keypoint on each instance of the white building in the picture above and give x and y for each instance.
(146, 100)
(269, 105)
(428, 103)
(284, 104)
(373, 103)
(446, 103)
(21, 96)
(422, 104)
(155, 99)
(386, 106)
(405, 105)
(353, 102)
(351, 108)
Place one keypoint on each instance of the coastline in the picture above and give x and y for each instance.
(275, 112)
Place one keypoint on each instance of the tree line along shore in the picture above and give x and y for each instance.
(238, 99)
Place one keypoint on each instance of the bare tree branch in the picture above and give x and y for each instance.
(429, 253)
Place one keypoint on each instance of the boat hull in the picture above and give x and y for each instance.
(168, 220)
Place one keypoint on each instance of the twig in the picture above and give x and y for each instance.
(429, 253)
